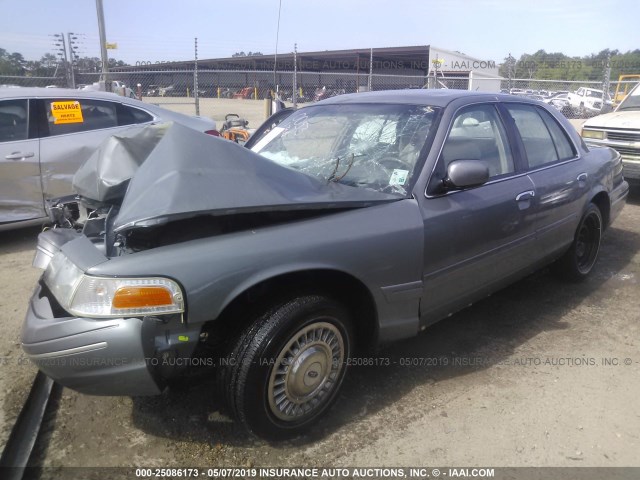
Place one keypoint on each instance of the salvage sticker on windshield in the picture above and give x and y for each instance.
(398, 177)
(66, 112)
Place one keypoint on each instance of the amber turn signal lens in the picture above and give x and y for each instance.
(138, 297)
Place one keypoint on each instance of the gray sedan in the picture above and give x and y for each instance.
(357, 221)
(47, 133)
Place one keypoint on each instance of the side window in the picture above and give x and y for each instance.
(478, 134)
(13, 120)
(71, 116)
(564, 147)
(535, 136)
(128, 115)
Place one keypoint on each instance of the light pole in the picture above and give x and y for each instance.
(103, 45)
(60, 42)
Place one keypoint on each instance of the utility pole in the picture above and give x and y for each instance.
(275, 57)
(62, 52)
(370, 82)
(606, 79)
(294, 95)
(103, 45)
(510, 64)
(195, 79)
(73, 56)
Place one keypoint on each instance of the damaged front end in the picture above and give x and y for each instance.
(110, 293)
(164, 184)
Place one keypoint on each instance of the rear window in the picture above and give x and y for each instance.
(545, 141)
(128, 115)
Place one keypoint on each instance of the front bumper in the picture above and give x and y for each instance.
(97, 357)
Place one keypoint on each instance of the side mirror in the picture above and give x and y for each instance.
(465, 174)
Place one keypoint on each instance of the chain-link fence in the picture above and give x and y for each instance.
(215, 93)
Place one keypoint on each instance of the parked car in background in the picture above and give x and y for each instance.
(117, 87)
(323, 93)
(556, 95)
(47, 133)
(153, 91)
(561, 103)
(619, 130)
(168, 91)
(245, 92)
(588, 101)
(550, 98)
(351, 223)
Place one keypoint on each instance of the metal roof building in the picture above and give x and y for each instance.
(350, 69)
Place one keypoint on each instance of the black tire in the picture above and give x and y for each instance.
(578, 261)
(309, 337)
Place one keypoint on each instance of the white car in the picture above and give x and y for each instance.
(619, 130)
(47, 133)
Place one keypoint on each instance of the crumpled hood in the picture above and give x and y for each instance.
(105, 175)
(188, 173)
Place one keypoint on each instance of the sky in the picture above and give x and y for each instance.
(163, 30)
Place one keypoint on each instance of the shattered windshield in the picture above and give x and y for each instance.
(373, 146)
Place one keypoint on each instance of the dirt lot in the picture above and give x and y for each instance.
(544, 373)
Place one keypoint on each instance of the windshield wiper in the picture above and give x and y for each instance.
(335, 178)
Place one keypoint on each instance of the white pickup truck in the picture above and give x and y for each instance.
(117, 87)
(587, 101)
(619, 130)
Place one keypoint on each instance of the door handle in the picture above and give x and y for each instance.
(19, 155)
(582, 177)
(528, 195)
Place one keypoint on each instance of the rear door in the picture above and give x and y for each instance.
(68, 141)
(20, 187)
(560, 180)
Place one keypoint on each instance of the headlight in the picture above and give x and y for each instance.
(62, 278)
(597, 134)
(100, 297)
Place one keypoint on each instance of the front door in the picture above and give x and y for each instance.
(20, 183)
(475, 238)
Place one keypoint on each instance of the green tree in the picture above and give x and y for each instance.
(11, 63)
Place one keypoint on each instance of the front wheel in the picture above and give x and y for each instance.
(579, 260)
(287, 367)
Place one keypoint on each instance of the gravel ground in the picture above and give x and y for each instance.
(544, 373)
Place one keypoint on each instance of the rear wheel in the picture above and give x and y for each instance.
(579, 260)
(287, 367)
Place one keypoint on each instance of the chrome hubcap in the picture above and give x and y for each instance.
(306, 372)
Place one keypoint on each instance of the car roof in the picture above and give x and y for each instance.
(165, 114)
(436, 98)
(38, 92)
